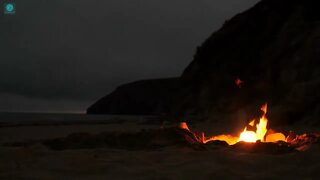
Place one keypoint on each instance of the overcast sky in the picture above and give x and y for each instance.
(63, 55)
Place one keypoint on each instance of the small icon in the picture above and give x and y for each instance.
(9, 8)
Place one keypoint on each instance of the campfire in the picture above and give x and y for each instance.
(257, 132)
(251, 136)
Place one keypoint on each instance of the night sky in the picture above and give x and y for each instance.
(63, 55)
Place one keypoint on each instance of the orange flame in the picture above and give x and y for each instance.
(252, 123)
(249, 136)
(183, 125)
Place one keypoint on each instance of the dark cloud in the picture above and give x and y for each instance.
(71, 51)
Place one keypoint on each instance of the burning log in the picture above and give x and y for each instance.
(303, 142)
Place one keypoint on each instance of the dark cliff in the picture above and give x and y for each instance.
(147, 97)
(274, 48)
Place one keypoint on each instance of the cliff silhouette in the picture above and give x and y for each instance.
(274, 48)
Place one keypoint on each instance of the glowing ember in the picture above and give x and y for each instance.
(183, 125)
(239, 82)
(248, 136)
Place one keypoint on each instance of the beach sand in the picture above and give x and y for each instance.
(40, 162)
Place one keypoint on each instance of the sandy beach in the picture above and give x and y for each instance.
(36, 161)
